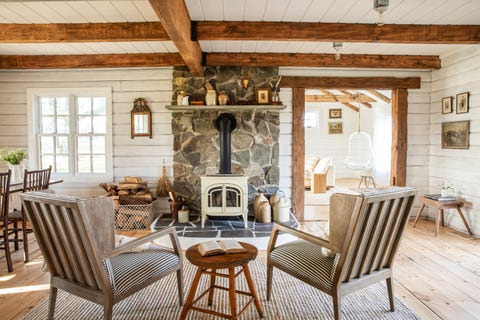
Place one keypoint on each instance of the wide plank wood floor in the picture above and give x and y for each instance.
(439, 278)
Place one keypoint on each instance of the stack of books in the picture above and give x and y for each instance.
(438, 197)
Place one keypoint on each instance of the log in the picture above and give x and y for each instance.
(123, 192)
(133, 179)
(130, 186)
(136, 199)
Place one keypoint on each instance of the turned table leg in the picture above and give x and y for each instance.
(251, 286)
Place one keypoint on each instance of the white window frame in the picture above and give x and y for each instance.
(33, 95)
(315, 117)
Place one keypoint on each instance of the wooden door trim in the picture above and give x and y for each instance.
(399, 136)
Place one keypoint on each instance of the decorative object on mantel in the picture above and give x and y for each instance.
(275, 93)
(455, 135)
(141, 119)
(14, 159)
(447, 105)
(262, 95)
(182, 99)
(222, 98)
(245, 77)
(462, 102)
(211, 96)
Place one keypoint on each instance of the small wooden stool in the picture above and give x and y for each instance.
(366, 181)
(209, 265)
(440, 205)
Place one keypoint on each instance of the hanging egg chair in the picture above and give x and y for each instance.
(360, 149)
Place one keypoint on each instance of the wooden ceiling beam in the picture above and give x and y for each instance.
(91, 61)
(380, 96)
(174, 16)
(336, 98)
(345, 32)
(350, 82)
(82, 32)
(323, 60)
(358, 97)
(347, 104)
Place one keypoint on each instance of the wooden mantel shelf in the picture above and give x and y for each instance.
(245, 107)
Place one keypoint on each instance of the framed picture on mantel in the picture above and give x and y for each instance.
(263, 95)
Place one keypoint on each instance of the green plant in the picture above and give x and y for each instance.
(446, 186)
(14, 156)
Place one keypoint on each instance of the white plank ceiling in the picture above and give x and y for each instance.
(343, 11)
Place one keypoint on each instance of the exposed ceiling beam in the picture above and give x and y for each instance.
(356, 97)
(91, 61)
(336, 98)
(323, 60)
(346, 32)
(380, 96)
(174, 16)
(347, 104)
(82, 32)
(350, 82)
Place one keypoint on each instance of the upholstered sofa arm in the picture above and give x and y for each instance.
(299, 234)
(128, 246)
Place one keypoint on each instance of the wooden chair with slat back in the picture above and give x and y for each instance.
(33, 180)
(77, 239)
(4, 198)
(360, 253)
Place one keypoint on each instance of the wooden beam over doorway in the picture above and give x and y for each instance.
(174, 16)
(350, 82)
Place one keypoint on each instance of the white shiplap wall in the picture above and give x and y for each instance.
(131, 157)
(418, 123)
(460, 72)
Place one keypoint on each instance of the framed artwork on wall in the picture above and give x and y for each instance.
(447, 105)
(335, 127)
(462, 102)
(455, 135)
(263, 95)
(335, 113)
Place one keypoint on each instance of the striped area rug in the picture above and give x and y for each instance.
(291, 300)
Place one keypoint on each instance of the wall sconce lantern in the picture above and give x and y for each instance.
(337, 46)
(381, 6)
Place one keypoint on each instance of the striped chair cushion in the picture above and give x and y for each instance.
(305, 261)
(130, 270)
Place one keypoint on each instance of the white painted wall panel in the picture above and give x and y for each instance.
(131, 157)
(459, 73)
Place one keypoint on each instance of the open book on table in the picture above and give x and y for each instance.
(210, 248)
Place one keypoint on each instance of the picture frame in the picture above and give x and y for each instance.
(455, 135)
(335, 128)
(462, 102)
(263, 95)
(335, 113)
(447, 105)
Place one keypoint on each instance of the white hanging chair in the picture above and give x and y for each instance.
(360, 151)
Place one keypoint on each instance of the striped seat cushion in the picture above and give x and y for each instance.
(130, 270)
(305, 261)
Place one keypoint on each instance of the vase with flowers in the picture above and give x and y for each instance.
(15, 162)
(447, 189)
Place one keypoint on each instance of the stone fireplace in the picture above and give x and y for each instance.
(253, 160)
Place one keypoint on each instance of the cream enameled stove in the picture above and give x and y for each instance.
(224, 195)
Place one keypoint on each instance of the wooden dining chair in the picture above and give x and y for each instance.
(4, 197)
(358, 254)
(33, 180)
(77, 240)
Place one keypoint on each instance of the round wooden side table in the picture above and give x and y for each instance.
(209, 265)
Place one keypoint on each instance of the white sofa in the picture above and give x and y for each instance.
(319, 174)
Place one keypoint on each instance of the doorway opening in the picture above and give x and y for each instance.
(335, 122)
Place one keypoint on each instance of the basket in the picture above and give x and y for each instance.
(135, 216)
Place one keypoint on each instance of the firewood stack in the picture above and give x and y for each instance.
(131, 191)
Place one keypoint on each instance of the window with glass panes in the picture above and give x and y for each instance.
(72, 133)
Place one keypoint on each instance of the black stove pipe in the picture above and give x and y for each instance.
(225, 123)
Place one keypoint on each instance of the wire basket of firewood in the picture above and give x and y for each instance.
(135, 216)
(134, 205)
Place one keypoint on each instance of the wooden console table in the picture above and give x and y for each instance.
(441, 205)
